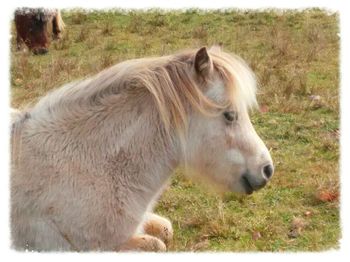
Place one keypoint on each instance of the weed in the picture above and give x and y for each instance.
(107, 29)
(200, 32)
(63, 43)
(82, 35)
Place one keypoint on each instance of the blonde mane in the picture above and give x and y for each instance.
(170, 79)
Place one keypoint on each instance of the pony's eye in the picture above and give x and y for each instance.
(230, 116)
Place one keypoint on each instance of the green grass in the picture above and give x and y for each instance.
(295, 55)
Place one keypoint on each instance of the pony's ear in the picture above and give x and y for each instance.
(202, 62)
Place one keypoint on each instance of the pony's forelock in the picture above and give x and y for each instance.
(238, 78)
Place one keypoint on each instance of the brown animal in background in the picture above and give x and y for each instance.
(33, 26)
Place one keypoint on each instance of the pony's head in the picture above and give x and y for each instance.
(223, 145)
(220, 142)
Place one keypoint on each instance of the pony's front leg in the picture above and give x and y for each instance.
(158, 227)
(154, 234)
(144, 242)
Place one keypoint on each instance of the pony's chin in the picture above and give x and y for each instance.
(247, 187)
(242, 188)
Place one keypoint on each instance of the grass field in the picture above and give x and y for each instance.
(295, 55)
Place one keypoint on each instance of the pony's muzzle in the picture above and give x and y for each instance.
(40, 51)
(252, 183)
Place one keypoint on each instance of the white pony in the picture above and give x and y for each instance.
(90, 159)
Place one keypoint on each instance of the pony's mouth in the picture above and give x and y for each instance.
(251, 184)
(247, 186)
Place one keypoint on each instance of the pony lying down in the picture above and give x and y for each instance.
(90, 159)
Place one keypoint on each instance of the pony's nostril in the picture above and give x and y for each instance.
(268, 171)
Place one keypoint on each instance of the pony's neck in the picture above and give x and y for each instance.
(142, 157)
(125, 141)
